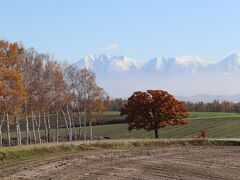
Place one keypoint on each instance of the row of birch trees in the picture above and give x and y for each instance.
(35, 87)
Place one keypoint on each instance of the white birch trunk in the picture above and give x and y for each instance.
(45, 124)
(33, 128)
(20, 134)
(1, 136)
(57, 130)
(27, 130)
(74, 130)
(80, 125)
(38, 127)
(49, 128)
(1, 124)
(8, 130)
(17, 133)
(91, 134)
(85, 124)
(85, 130)
(70, 124)
(66, 123)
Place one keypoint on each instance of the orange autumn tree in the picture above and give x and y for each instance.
(12, 90)
(152, 110)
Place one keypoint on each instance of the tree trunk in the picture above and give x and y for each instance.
(85, 130)
(85, 124)
(33, 128)
(38, 127)
(80, 125)
(70, 125)
(17, 133)
(66, 123)
(91, 134)
(1, 136)
(74, 130)
(20, 134)
(156, 133)
(27, 130)
(45, 124)
(1, 123)
(49, 127)
(8, 131)
(57, 129)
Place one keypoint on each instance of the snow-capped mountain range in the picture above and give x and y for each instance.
(108, 63)
(103, 63)
(183, 76)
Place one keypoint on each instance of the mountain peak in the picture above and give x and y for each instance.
(231, 61)
(233, 58)
(107, 63)
(192, 59)
(184, 64)
(184, 74)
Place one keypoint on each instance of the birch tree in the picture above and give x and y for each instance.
(12, 90)
(93, 97)
(1, 124)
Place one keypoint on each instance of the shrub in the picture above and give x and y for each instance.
(202, 134)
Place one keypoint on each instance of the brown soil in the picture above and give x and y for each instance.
(187, 162)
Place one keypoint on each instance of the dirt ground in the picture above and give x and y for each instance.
(163, 163)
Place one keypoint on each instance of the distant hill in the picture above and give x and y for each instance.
(210, 98)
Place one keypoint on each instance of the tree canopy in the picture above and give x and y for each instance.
(33, 83)
(152, 110)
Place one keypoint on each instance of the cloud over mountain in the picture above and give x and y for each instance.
(110, 47)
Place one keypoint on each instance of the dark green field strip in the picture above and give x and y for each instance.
(211, 114)
(215, 117)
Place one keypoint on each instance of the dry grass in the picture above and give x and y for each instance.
(21, 152)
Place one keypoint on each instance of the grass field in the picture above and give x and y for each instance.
(191, 114)
(203, 115)
(217, 125)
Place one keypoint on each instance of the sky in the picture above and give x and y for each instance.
(140, 29)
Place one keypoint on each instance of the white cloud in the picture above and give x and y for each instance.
(111, 47)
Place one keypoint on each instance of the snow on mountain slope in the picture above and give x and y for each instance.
(107, 63)
(184, 64)
(101, 63)
(186, 75)
(227, 66)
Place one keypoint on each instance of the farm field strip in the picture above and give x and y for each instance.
(217, 125)
(174, 162)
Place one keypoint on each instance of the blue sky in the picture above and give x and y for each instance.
(140, 29)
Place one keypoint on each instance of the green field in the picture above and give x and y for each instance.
(217, 125)
(202, 115)
(191, 114)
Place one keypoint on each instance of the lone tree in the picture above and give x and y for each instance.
(152, 110)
